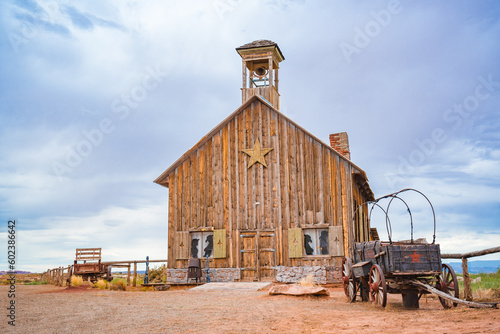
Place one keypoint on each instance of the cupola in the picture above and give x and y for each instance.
(261, 60)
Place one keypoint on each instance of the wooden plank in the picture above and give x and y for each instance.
(182, 244)
(255, 170)
(225, 179)
(217, 168)
(193, 185)
(336, 240)
(202, 201)
(233, 177)
(292, 168)
(310, 195)
(315, 179)
(265, 173)
(197, 186)
(322, 193)
(284, 174)
(172, 194)
(279, 246)
(248, 256)
(248, 184)
(209, 185)
(349, 206)
(294, 243)
(327, 200)
(240, 170)
(345, 222)
(219, 238)
(179, 206)
(333, 190)
(276, 181)
(301, 191)
(267, 254)
(185, 195)
(338, 182)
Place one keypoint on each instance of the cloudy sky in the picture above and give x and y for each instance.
(98, 98)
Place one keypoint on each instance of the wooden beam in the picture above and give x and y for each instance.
(471, 254)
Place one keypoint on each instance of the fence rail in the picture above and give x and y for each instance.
(58, 276)
(465, 267)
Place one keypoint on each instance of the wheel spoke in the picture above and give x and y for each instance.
(348, 279)
(449, 285)
(378, 290)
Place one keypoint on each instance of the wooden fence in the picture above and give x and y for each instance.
(59, 276)
(465, 268)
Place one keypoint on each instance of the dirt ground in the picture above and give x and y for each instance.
(50, 309)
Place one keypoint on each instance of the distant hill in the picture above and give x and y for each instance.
(476, 267)
(17, 272)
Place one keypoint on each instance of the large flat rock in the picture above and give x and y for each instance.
(232, 286)
(298, 290)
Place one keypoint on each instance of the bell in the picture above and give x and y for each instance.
(261, 71)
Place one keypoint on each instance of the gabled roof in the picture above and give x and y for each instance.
(163, 180)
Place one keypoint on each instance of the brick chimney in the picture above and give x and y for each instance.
(340, 143)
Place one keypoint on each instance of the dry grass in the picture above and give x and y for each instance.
(118, 285)
(486, 295)
(76, 280)
(101, 284)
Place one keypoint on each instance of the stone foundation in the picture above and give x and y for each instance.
(320, 274)
(216, 275)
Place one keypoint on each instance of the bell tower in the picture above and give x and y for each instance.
(261, 60)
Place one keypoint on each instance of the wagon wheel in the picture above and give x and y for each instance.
(448, 283)
(378, 289)
(348, 280)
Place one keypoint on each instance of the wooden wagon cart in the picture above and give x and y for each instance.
(411, 268)
(88, 265)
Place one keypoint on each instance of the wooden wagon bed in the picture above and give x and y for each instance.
(88, 265)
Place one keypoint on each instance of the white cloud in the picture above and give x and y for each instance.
(122, 233)
(77, 58)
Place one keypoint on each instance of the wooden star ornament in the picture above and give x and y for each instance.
(257, 154)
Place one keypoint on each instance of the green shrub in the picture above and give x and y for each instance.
(156, 275)
(36, 283)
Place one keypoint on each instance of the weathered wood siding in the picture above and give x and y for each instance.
(305, 185)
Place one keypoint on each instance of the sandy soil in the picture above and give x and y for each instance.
(50, 309)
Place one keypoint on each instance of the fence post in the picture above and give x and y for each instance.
(465, 273)
(128, 275)
(135, 275)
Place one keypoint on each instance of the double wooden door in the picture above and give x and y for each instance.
(257, 255)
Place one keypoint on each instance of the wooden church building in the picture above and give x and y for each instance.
(261, 197)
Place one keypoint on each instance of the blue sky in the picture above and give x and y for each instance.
(99, 98)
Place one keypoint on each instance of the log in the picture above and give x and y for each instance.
(449, 297)
(471, 254)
